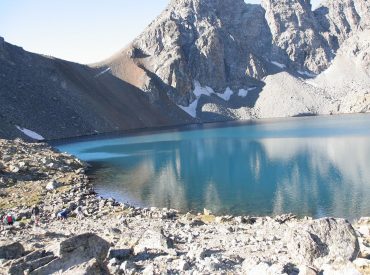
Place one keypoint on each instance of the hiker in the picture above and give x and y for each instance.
(36, 215)
(8, 219)
(79, 213)
(2, 216)
(62, 215)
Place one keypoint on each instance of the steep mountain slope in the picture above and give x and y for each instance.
(56, 99)
(199, 61)
(225, 59)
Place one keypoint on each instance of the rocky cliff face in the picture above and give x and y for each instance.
(207, 41)
(230, 45)
(297, 40)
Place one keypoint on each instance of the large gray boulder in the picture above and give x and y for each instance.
(77, 252)
(322, 241)
(10, 251)
(84, 247)
(153, 239)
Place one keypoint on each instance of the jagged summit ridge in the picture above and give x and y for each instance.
(230, 44)
(207, 41)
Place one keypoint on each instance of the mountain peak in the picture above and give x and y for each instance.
(230, 44)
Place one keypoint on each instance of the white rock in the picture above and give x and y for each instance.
(52, 185)
(345, 269)
(127, 265)
(361, 262)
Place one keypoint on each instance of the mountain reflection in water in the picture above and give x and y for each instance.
(316, 168)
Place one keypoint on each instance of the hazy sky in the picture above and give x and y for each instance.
(85, 31)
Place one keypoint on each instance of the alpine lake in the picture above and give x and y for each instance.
(308, 166)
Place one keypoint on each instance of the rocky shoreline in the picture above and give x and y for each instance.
(116, 238)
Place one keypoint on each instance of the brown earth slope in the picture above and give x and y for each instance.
(59, 99)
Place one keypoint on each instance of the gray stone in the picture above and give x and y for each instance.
(85, 246)
(75, 252)
(127, 266)
(153, 240)
(306, 270)
(120, 254)
(11, 250)
(30, 265)
(322, 241)
(87, 268)
(52, 185)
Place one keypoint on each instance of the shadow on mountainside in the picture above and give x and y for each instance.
(59, 99)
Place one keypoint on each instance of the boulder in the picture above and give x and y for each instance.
(127, 267)
(153, 240)
(21, 267)
(322, 241)
(85, 246)
(120, 254)
(87, 268)
(11, 251)
(80, 253)
(52, 185)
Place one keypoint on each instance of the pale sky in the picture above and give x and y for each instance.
(84, 31)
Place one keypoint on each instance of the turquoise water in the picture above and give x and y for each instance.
(316, 166)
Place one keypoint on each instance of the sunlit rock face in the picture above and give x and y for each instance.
(218, 43)
(233, 45)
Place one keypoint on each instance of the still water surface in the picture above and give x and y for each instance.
(316, 166)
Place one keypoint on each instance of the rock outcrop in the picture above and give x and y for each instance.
(229, 47)
(297, 40)
(86, 251)
(11, 250)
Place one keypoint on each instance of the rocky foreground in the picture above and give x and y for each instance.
(121, 239)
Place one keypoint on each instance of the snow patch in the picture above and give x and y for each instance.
(102, 72)
(281, 66)
(244, 93)
(198, 92)
(226, 95)
(30, 133)
(191, 109)
(306, 73)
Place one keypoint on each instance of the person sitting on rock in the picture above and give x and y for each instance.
(62, 215)
(36, 215)
(79, 213)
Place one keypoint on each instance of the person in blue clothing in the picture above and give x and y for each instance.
(62, 215)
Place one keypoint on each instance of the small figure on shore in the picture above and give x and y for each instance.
(80, 215)
(36, 215)
(8, 219)
(62, 215)
(2, 216)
